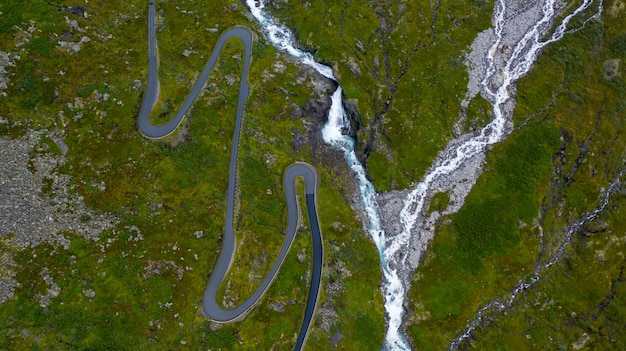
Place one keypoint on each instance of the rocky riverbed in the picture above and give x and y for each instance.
(493, 71)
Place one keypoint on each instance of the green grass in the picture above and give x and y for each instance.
(455, 278)
(426, 101)
(171, 191)
(567, 107)
(581, 294)
(479, 114)
(488, 222)
(16, 12)
(439, 202)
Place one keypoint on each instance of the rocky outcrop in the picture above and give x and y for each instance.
(6, 60)
(314, 112)
(36, 204)
(351, 106)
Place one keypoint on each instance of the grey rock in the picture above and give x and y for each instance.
(32, 217)
(89, 293)
(610, 69)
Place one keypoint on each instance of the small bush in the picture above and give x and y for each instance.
(41, 46)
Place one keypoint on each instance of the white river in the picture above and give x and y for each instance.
(517, 64)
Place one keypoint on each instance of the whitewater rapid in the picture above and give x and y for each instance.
(525, 284)
(393, 289)
(518, 64)
(498, 86)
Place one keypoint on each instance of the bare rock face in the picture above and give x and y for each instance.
(390, 205)
(351, 106)
(7, 289)
(52, 291)
(314, 114)
(318, 83)
(316, 110)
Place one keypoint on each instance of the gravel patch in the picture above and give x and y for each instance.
(35, 203)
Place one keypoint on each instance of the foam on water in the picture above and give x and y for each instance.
(523, 56)
(281, 37)
(520, 62)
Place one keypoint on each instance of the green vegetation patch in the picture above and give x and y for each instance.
(491, 227)
(488, 222)
(439, 202)
(551, 171)
(403, 63)
(140, 285)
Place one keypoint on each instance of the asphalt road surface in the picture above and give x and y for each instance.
(209, 305)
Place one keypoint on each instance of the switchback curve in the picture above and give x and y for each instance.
(209, 305)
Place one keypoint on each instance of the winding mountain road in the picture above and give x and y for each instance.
(209, 305)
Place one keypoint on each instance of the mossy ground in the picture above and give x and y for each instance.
(403, 63)
(168, 190)
(408, 103)
(571, 106)
(550, 172)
